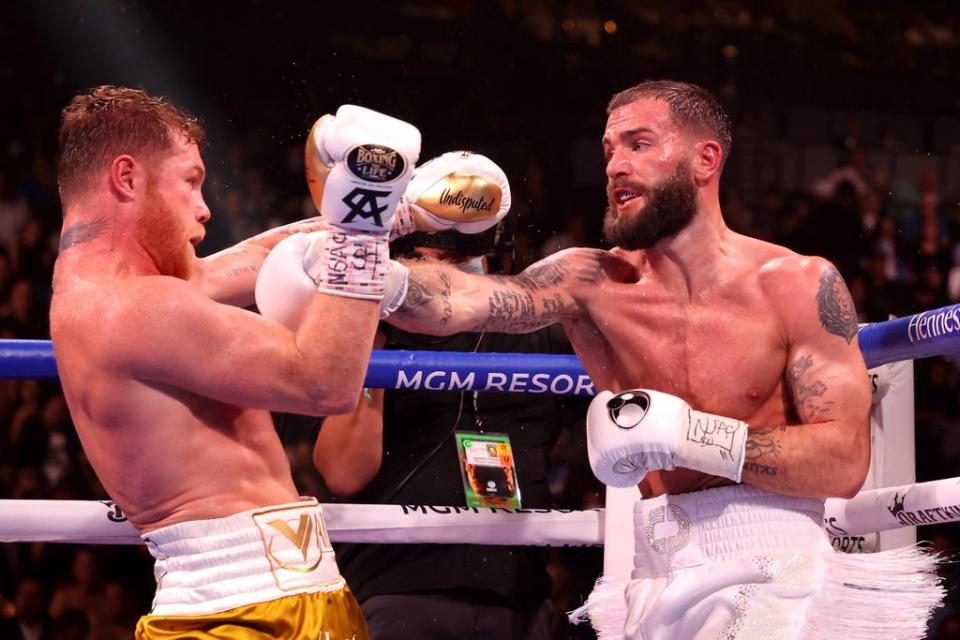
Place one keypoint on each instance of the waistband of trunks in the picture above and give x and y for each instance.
(684, 530)
(208, 566)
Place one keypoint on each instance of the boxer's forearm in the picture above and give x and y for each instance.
(826, 459)
(349, 448)
(229, 276)
(441, 300)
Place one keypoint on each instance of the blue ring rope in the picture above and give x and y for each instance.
(922, 335)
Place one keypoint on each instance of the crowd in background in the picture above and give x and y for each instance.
(877, 191)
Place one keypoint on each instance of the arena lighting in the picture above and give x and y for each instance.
(110, 42)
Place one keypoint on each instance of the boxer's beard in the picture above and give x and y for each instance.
(161, 231)
(671, 205)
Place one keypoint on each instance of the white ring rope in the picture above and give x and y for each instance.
(92, 522)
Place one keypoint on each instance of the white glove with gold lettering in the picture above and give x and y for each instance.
(640, 430)
(358, 164)
(284, 288)
(458, 190)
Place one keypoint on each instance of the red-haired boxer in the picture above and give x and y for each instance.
(170, 389)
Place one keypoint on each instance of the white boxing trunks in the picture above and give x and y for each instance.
(738, 562)
(264, 573)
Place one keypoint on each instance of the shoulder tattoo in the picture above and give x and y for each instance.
(835, 306)
(83, 232)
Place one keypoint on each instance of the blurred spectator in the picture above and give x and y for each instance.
(6, 275)
(34, 255)
(886, 244)
(81, 590)
(836, 230)
(112, 616)
(871, 210)
(71, 624)
(738, 215)
(14, 211)
(852, 170)
(29, 620)
(883, 296)
(573, 234)
(21, 316)
(953, 279)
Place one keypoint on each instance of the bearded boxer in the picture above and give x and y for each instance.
(170, 389)
(753, 399)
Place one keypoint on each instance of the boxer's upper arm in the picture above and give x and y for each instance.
(170, 333)
(825, 371)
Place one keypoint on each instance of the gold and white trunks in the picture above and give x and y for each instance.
(740, 563)
(208, 566)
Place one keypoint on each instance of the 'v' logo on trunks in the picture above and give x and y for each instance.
(295, 543)
(301, 537)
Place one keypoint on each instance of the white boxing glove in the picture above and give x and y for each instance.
(284, 289)
(358, 164)
(459, 190)
(633, 432)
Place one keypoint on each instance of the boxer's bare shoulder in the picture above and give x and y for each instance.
(792, 280)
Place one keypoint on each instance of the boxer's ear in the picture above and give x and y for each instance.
(707, 161)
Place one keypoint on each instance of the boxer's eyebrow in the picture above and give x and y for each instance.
(626, 135)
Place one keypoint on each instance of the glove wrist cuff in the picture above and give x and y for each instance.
(713, 444)
(349, 263)
(395, 289)
(403, 221)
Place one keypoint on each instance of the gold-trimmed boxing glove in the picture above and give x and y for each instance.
(459, 190)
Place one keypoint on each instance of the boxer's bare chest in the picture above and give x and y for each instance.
(722, 350)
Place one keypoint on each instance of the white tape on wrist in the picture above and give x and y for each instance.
(403, 221)
(713, 444)
(349, 264)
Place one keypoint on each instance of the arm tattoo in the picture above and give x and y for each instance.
(763, 448)
(445, 298)
(83, 232)
(760, 469)
(417, 296)
(521, 311)
(760, 442)
(807, 393)
(241, 270)
(553, 270)
(512, 309)
(541, 275)
(835, 306)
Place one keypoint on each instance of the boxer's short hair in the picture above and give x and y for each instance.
(692, 108)
(108, 121)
